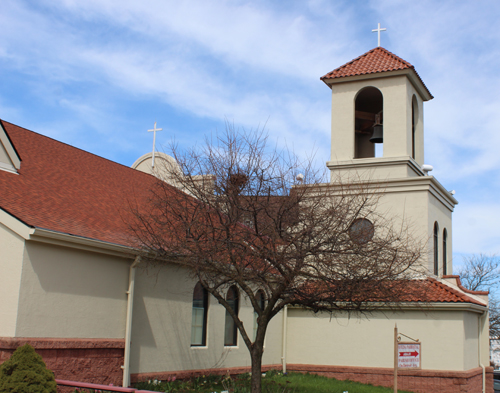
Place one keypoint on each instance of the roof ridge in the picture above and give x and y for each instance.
(396, 57)
(378, 48)
(352, 61)
(68, 145)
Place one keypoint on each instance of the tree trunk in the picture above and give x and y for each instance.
(256, 381)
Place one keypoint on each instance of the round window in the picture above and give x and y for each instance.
(361, 231)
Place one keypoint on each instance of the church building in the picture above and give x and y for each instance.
(72, 286)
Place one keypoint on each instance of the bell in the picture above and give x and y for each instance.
(378, 134)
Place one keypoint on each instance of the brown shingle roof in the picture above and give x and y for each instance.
(68, 190)
(374, 61)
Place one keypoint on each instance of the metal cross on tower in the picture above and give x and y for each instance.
(154, 143)
(378, 30)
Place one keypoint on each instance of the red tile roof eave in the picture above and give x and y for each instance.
(464, 298)
(404, 65)
(330, 81)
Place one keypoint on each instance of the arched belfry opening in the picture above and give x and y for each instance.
(368, 123)
(414, 121)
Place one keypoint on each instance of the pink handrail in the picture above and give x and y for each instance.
(95, 386)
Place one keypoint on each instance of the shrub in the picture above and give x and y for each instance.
(26, 372)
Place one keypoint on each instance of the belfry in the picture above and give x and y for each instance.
(378, 99)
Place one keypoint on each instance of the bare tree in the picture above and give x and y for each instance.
(494, 314)
(260, 219)
(482, 273)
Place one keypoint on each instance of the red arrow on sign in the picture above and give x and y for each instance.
(414, 354)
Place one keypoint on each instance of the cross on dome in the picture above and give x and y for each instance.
(154, 143)
(378, 30)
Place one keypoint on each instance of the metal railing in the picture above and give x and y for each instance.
(95, 386)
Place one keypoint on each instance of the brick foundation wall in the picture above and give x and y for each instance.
(420, 381)
(82, 360)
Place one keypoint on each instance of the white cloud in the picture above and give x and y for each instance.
(475, 229)
(254, 62)
(240, 34)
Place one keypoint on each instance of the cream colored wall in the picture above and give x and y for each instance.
(485, 340)
(4, 157)
(370, 169)
(397, 94)
(419, 129)
(471, 341)
(416, 202)
(70, 293)
(447, 339)
(161, 328)
(410, 207)
(11, 257)
(438, 212)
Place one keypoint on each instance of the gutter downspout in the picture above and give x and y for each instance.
(128, 322)
(479, 349)
(283, 353)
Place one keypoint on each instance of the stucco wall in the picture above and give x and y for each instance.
(397, 94)
(449, 341)
(440, 214)
(68, 293)
(471, 331)
(408, 207)
(11, 257)
(161, 328)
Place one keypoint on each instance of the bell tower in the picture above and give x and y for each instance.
(377, 100)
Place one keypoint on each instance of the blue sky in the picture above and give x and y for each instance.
(97, 74)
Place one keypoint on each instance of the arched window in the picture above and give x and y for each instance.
(199, 320)
(368, 114)
(414, 119)
(231, 331)
(445, 256)
(260, 297)
(436, 248)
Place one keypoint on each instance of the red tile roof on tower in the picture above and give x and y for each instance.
(68, 190)
(375, 61)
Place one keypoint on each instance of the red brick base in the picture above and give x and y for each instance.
(74, 359)
(421, 381)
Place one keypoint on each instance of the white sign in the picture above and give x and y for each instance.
(408, 355)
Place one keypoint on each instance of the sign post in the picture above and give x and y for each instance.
(396, 358)
(406, 355)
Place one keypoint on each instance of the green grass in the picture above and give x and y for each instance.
(273, 382)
